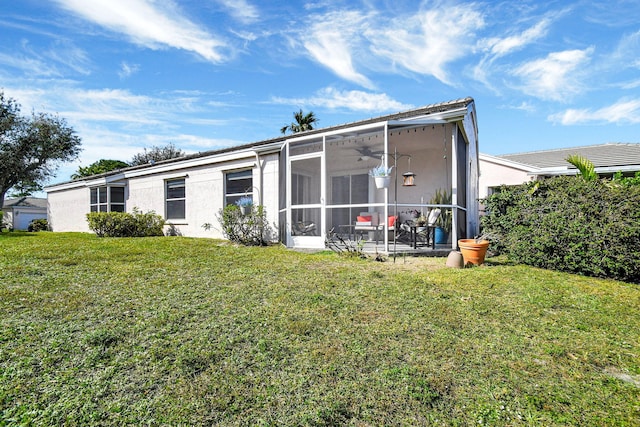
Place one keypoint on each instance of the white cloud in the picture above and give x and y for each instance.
(503, 46)
(116, 124)
(622, 112)
(241, 10)
(353, 100)
(48, 62)
(627, 52)
(69, 55)
(428, 41)
(31, 66)
(153, 24)
(126, 70)
(331, 41)
(556, 77)
(497, 47)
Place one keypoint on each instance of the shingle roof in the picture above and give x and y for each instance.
(34, 202)
(603, 155)
(425, 110)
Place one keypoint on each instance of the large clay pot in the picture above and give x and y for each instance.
(473, 251)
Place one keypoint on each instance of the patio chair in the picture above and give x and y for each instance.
(304, 228)
(402, 228)
(427, 233)
(368, 222)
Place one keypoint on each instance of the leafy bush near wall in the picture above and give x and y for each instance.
(252, 229)
(124, 224)
(38, 225)
(568, 224)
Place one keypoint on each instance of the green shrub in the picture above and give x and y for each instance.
(124, 224)
(252, 229)
(38, 225)
(568, 224)
(626, 181)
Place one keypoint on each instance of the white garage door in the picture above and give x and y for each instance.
(22, 220)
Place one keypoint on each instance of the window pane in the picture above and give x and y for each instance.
(117, 195)
(117, 208)
(94, 196)
(231, 200)
(175, 189)
(359, 188)
(239, 182)
(94, 208)
(102, 194)
(103, 208)
(175, 209)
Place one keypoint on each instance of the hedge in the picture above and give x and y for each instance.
(123, 224)
(568, 224)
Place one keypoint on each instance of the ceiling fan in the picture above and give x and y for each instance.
(366, 153)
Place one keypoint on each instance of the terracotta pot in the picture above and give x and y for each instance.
(455, 260)
(473, 251)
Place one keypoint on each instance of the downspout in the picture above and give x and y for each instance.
(259, 178)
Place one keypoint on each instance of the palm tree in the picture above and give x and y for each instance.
(303, 122)
(585, 167)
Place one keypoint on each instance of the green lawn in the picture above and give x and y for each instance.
(179, 331)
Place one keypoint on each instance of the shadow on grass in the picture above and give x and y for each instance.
(500, 260)
(16, 234)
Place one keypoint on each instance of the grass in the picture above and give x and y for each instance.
(179, 331)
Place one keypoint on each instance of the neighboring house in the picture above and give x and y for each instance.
(310, 183)
(19, 212)
(513, 169)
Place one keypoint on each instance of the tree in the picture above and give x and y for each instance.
(31, 148)
(585, 167)
(24, 189)
(303, 122)
(101, 166)
(156, 154)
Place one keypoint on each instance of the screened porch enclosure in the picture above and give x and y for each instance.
(329, 187)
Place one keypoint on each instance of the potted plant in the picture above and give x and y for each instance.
(421, 220)
(245, 203)
(473, 250)
(443, 223)
(382, 175)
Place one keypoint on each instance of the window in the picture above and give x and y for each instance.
(238, 184)
(106, 199)
(175, 199)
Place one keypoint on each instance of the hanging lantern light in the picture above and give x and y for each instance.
(409, 178)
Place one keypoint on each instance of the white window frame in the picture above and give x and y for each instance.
(182, 199)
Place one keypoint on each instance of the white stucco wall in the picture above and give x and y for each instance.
(68, 209)
(145, 190)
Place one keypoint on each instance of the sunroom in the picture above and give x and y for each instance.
(330, 195)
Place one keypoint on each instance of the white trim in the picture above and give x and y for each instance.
(345, 129)
(508, 163)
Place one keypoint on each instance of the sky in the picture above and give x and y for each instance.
(208, 74)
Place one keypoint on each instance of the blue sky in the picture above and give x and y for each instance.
(207, 74)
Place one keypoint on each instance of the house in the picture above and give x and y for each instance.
(513, 169)
(19, 212)
(309, 183)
